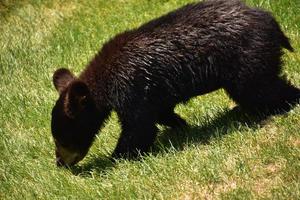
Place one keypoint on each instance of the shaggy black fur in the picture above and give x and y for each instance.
(143, 73)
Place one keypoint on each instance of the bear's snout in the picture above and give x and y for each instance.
(67, 158)
(60, 162)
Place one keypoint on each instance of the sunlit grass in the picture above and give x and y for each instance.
(220, 156)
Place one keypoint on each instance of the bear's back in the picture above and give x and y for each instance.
(182, 54)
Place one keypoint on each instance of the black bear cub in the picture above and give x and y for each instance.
(143, 73)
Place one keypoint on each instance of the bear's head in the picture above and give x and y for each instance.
(75, 118)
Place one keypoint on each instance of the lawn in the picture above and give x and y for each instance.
(225, 154)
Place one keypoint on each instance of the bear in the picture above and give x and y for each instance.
(143, 73)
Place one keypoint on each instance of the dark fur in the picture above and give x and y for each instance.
(143, 73)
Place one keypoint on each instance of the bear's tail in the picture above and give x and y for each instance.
(285, 42)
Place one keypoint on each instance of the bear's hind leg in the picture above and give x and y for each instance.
(271, 94)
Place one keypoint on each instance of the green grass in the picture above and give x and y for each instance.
(224, 155)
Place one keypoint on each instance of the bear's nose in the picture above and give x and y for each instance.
(60, 162)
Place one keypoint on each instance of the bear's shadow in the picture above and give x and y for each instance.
(224, 123)
(96, 164)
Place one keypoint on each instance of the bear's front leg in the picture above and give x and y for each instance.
(136, 139)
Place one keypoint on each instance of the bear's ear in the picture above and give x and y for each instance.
(61, 78)
(77, 99)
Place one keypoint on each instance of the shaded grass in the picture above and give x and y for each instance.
(225, 154)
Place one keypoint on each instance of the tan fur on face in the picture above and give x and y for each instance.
(69, 157)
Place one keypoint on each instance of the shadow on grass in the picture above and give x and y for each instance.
(7, 7)
(225, 123)
(97, 164)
